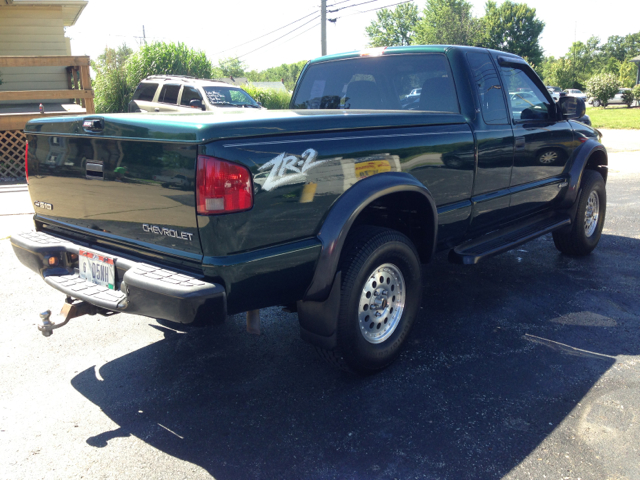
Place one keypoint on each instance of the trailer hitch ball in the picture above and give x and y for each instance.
(45, 328)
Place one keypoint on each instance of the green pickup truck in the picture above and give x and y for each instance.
(386, 157)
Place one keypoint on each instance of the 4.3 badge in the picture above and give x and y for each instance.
(43, 205)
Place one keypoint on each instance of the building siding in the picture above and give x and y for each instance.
(28, 30)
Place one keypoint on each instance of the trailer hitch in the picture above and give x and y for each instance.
(71, 309)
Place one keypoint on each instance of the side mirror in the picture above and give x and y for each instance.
(196, 103)
(571, 107)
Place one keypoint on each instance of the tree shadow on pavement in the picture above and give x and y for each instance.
(501, 354)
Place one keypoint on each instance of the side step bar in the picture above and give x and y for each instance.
(500, 241)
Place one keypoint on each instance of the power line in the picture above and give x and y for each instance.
(304, 31)
(266, 34)
(338, 3)
(349, 6)
(371, 10)
(288, 33)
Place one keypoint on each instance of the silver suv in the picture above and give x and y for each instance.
(174, 93)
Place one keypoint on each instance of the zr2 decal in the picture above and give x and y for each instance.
(288, 169)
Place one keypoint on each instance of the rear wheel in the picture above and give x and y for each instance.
(380, 297)
(587, 226)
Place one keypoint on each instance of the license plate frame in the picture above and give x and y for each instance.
(96, 268)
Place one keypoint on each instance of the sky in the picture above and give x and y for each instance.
(224, 28)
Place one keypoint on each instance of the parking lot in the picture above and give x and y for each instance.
(526, 366)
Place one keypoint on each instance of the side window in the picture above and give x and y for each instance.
(526, 99)
(188, 94)
(494, 110)
(169, 94)
(145, 92)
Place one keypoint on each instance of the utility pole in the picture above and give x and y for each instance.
(144, 35)
(323, 27)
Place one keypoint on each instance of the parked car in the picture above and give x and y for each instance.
(573, 92)
(174, 93)
(555, 92)
(615, 100)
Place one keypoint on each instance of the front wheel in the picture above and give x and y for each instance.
(589, 221)
(380, 297)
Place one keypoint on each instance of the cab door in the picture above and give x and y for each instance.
(189, 93)
(543, 144)
(168, 98)
(494, 139)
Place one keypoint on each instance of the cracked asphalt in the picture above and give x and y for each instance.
(526, 366)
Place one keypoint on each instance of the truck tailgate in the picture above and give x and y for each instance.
(130, 190)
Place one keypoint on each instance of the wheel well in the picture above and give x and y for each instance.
(597, 160)
(407, 212)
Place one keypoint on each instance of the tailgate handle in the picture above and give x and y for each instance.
(93, 124)
(95, 170)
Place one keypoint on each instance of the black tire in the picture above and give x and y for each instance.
(367, 346)
(581, 239)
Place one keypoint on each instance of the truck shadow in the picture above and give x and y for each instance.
(501, 355)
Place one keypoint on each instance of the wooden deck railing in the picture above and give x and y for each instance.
(77, 66)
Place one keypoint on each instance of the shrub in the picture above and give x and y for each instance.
(112, 93)
(269, 98)
(161, 58)
(628, 97)
(602, 87)
(636, 93)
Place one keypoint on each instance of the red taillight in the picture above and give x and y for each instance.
(26, 159)
(222, 187)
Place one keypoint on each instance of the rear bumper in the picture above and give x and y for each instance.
(140, 288)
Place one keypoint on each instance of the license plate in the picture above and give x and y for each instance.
(97, 269)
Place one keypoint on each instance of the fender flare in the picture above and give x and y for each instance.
(581, 159)
(343, 213)
(318, 310)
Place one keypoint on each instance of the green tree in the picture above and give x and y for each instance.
(602, 87)
(448, 22)
(513, 27)
(166, 59)
(112, 92)
(585, 60)
(232, 67)
(627, 74)
(622, 48)
(558, 72)
(287, 73)
(394, 27)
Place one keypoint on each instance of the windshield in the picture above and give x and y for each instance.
(229, 97)
(387, 82)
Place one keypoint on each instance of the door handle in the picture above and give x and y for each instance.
(520, 143)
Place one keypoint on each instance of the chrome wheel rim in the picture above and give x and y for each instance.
(548, 157)
(381, 303)
(592, 214)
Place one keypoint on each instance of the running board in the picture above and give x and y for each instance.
(500, 241)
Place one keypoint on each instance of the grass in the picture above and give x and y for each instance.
(615, 116)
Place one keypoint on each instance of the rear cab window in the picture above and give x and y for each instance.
(388, 82)
(485, 78)
(145, 91)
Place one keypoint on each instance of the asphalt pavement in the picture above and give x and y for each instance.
(526, 366)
